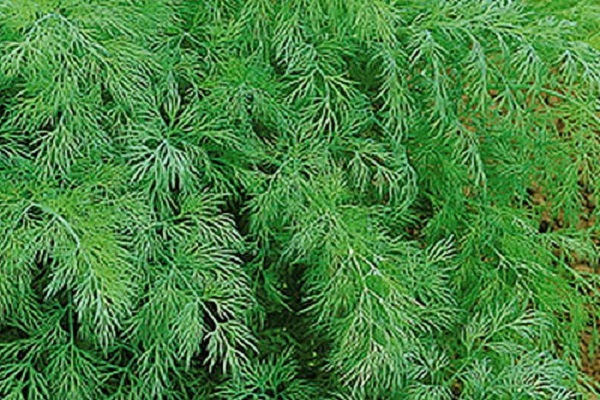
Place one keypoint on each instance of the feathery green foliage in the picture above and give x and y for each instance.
(289, 199)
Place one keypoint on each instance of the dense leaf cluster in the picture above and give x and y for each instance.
(295, 199)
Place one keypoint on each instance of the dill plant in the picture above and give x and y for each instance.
(297, 199)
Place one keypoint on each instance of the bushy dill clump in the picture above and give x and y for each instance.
(297, 199)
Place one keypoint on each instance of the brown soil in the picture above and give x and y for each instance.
(590, 340)
(590, 362)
